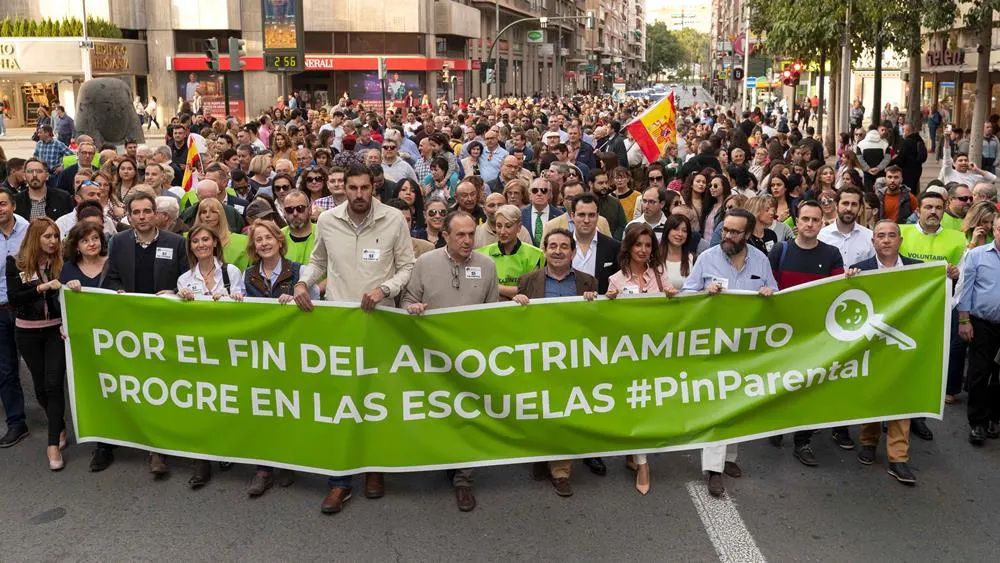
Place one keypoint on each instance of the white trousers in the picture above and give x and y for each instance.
(714, 458)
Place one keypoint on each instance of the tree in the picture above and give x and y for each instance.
(695, 45)
(663, 50)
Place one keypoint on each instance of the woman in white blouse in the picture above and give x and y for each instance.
(641, 272)
(208, 274)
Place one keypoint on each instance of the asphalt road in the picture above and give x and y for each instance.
(779, 511)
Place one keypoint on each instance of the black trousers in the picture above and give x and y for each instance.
(45, 356)
(983, 377)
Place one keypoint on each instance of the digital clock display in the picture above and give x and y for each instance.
(282, 62)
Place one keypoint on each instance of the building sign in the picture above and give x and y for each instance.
(284, 45)
(8, 57)
(109, 57)
(945, 57)
(319, 63)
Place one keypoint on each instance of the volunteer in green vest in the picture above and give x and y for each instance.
(300, 234)
(512, 257)
(927, 240)
(959, 201)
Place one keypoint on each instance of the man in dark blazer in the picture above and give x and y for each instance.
(540, 210)
(144, 259)
(887, 239)
(600, 262)
(557, 279)
(57, 202)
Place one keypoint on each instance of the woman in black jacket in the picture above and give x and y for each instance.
(33, 289)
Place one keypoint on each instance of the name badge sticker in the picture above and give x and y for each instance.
(370, 254)
(473, 273)
(723, 282)
(164, 253)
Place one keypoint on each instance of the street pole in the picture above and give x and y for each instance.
(88, 73)
(845, 75)
(819, 106)
(383, 96)
(496, 44)
(225, 91)
(746, 59)
(877, 89)
(559, 68)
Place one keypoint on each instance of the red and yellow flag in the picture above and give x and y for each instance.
(655, 127)
(193, 162)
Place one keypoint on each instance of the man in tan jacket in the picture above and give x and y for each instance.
(363, 250)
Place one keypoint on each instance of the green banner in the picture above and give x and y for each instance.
(339, 390)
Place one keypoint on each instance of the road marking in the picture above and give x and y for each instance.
(729, 535)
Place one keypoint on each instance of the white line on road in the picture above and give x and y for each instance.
(729, 535)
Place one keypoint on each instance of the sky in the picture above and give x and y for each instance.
(697, 13)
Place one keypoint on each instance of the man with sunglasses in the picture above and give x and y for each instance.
(363, 250)
(959, 202)
(300, 233)
(534, 216)
(395, 168)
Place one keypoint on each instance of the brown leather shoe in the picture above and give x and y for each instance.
(562, 486)
(335, 499)
(715, 486)
(286, 477)
(465, 499)
(260, 483)
(540, 471)
(202, 474)
(158, 465)
(732, 470)
(374, 485)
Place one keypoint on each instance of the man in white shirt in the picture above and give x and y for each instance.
(852, 240)
(653, 202)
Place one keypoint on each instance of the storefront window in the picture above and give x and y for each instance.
(946, 101)
(319, 42)
(968, 102)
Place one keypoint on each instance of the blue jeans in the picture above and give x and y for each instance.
(342, 481)
(956, 358)
(11, 394)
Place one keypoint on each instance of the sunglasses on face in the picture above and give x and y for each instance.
(964, 199)
(389, 148)
(314, 178)
(437, 212)
(539, 190)
(282, 187)
(656, 178)
(295, 209)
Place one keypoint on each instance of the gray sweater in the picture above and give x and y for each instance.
(433, 281)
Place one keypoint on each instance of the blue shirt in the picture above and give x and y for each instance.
(489, 164)
(10, 246)
(714, 265)
(979, 294)
(565, 287)
(51, 153)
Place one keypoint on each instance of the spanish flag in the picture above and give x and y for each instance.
(193, 162)
(655, 127)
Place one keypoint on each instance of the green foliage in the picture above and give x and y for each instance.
(695, 44)
(663, 50)
(65, 27)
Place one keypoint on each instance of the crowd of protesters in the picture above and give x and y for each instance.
(512, 199)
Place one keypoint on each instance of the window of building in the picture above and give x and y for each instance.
(319, 42)
(193, 41)
(378, 44)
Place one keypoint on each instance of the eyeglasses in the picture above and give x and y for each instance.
(282, 187)
(826, 200)
(437, 212)
(539, 190)
(964, 198)
(731, 232)
(656, 178)
(296, 209)
(388, 148)
(454, 276)
(314, 178)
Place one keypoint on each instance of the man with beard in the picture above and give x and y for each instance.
(363, 249)
(959, 202)
(852, 240)
(802, 260)
(39, 199)
(610, 207)
(300, 233)
(732, 265)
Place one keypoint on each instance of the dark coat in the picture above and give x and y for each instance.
(257, 286)
(532, 285)
(57, 203)
(166, 271)
(908, 159)
(528, 217)
(607, 261)
(872, 263)
(21, 293)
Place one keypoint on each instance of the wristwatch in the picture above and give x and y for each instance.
(385, 290)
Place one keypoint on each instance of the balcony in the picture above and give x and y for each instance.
(523, 8)
(452, 18)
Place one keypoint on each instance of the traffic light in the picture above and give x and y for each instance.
(489, 75)
(382, 72)
(237, 48)
(591, 20)
(445, 73)
(786, 76)
(211, 47)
